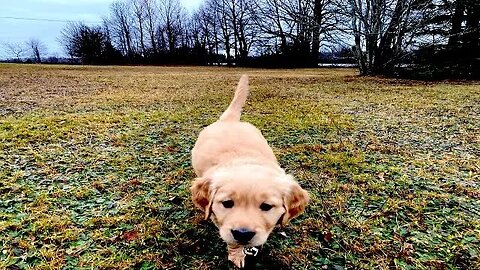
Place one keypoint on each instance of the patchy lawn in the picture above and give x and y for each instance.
(95, 167)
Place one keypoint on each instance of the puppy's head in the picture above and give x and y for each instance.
(247, 202)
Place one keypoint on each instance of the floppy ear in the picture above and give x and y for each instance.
(294, 202)
(202, 195)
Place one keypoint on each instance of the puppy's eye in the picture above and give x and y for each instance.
(266, 206)
(227, 204)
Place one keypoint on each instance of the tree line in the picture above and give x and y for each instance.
(426, 38)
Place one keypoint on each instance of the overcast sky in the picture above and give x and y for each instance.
(15, 26)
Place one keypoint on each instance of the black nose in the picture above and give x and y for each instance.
(243, 235)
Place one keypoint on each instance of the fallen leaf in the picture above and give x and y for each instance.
(130, 236)
(328, 236)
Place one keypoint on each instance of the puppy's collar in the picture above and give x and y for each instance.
(251, 251)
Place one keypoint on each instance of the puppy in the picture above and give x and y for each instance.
(240, 184)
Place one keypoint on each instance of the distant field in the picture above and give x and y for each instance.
(95, 167)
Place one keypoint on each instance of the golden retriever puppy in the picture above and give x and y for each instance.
(240, 184)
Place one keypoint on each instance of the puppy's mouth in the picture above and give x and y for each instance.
(244, 243)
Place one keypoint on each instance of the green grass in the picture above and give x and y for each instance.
(95, 167)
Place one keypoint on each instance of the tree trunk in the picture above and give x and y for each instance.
(457, 20)
(385, 54)
(317, 15)
(356, 27)
(472, 31)
(37, 55)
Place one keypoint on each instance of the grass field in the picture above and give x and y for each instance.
(95, 167)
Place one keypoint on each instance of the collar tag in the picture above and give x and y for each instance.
(250, 251)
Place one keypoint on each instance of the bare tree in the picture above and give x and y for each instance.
(296, 27)
(275, 23)
(204, 33)
(324, 23)
(151, 21)
(200, 29)
(37, 49)
(172, 18)
(121, 25)
(233, 26)
(241, 16)
(16, 49)
(382, 30)
(220, 12)
(140, 13)
(210, 29)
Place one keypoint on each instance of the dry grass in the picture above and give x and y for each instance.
(94, 167)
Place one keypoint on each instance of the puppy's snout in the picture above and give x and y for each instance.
(243, 235)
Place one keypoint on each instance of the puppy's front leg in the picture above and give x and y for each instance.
(236, 255)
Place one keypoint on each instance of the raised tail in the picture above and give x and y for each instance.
(234, 111)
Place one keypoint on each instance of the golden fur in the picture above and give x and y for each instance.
(235, 166)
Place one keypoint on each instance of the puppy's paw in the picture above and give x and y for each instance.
(236, 255)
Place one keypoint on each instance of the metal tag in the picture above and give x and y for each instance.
(250, 251)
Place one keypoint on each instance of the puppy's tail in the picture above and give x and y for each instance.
(234, 111)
